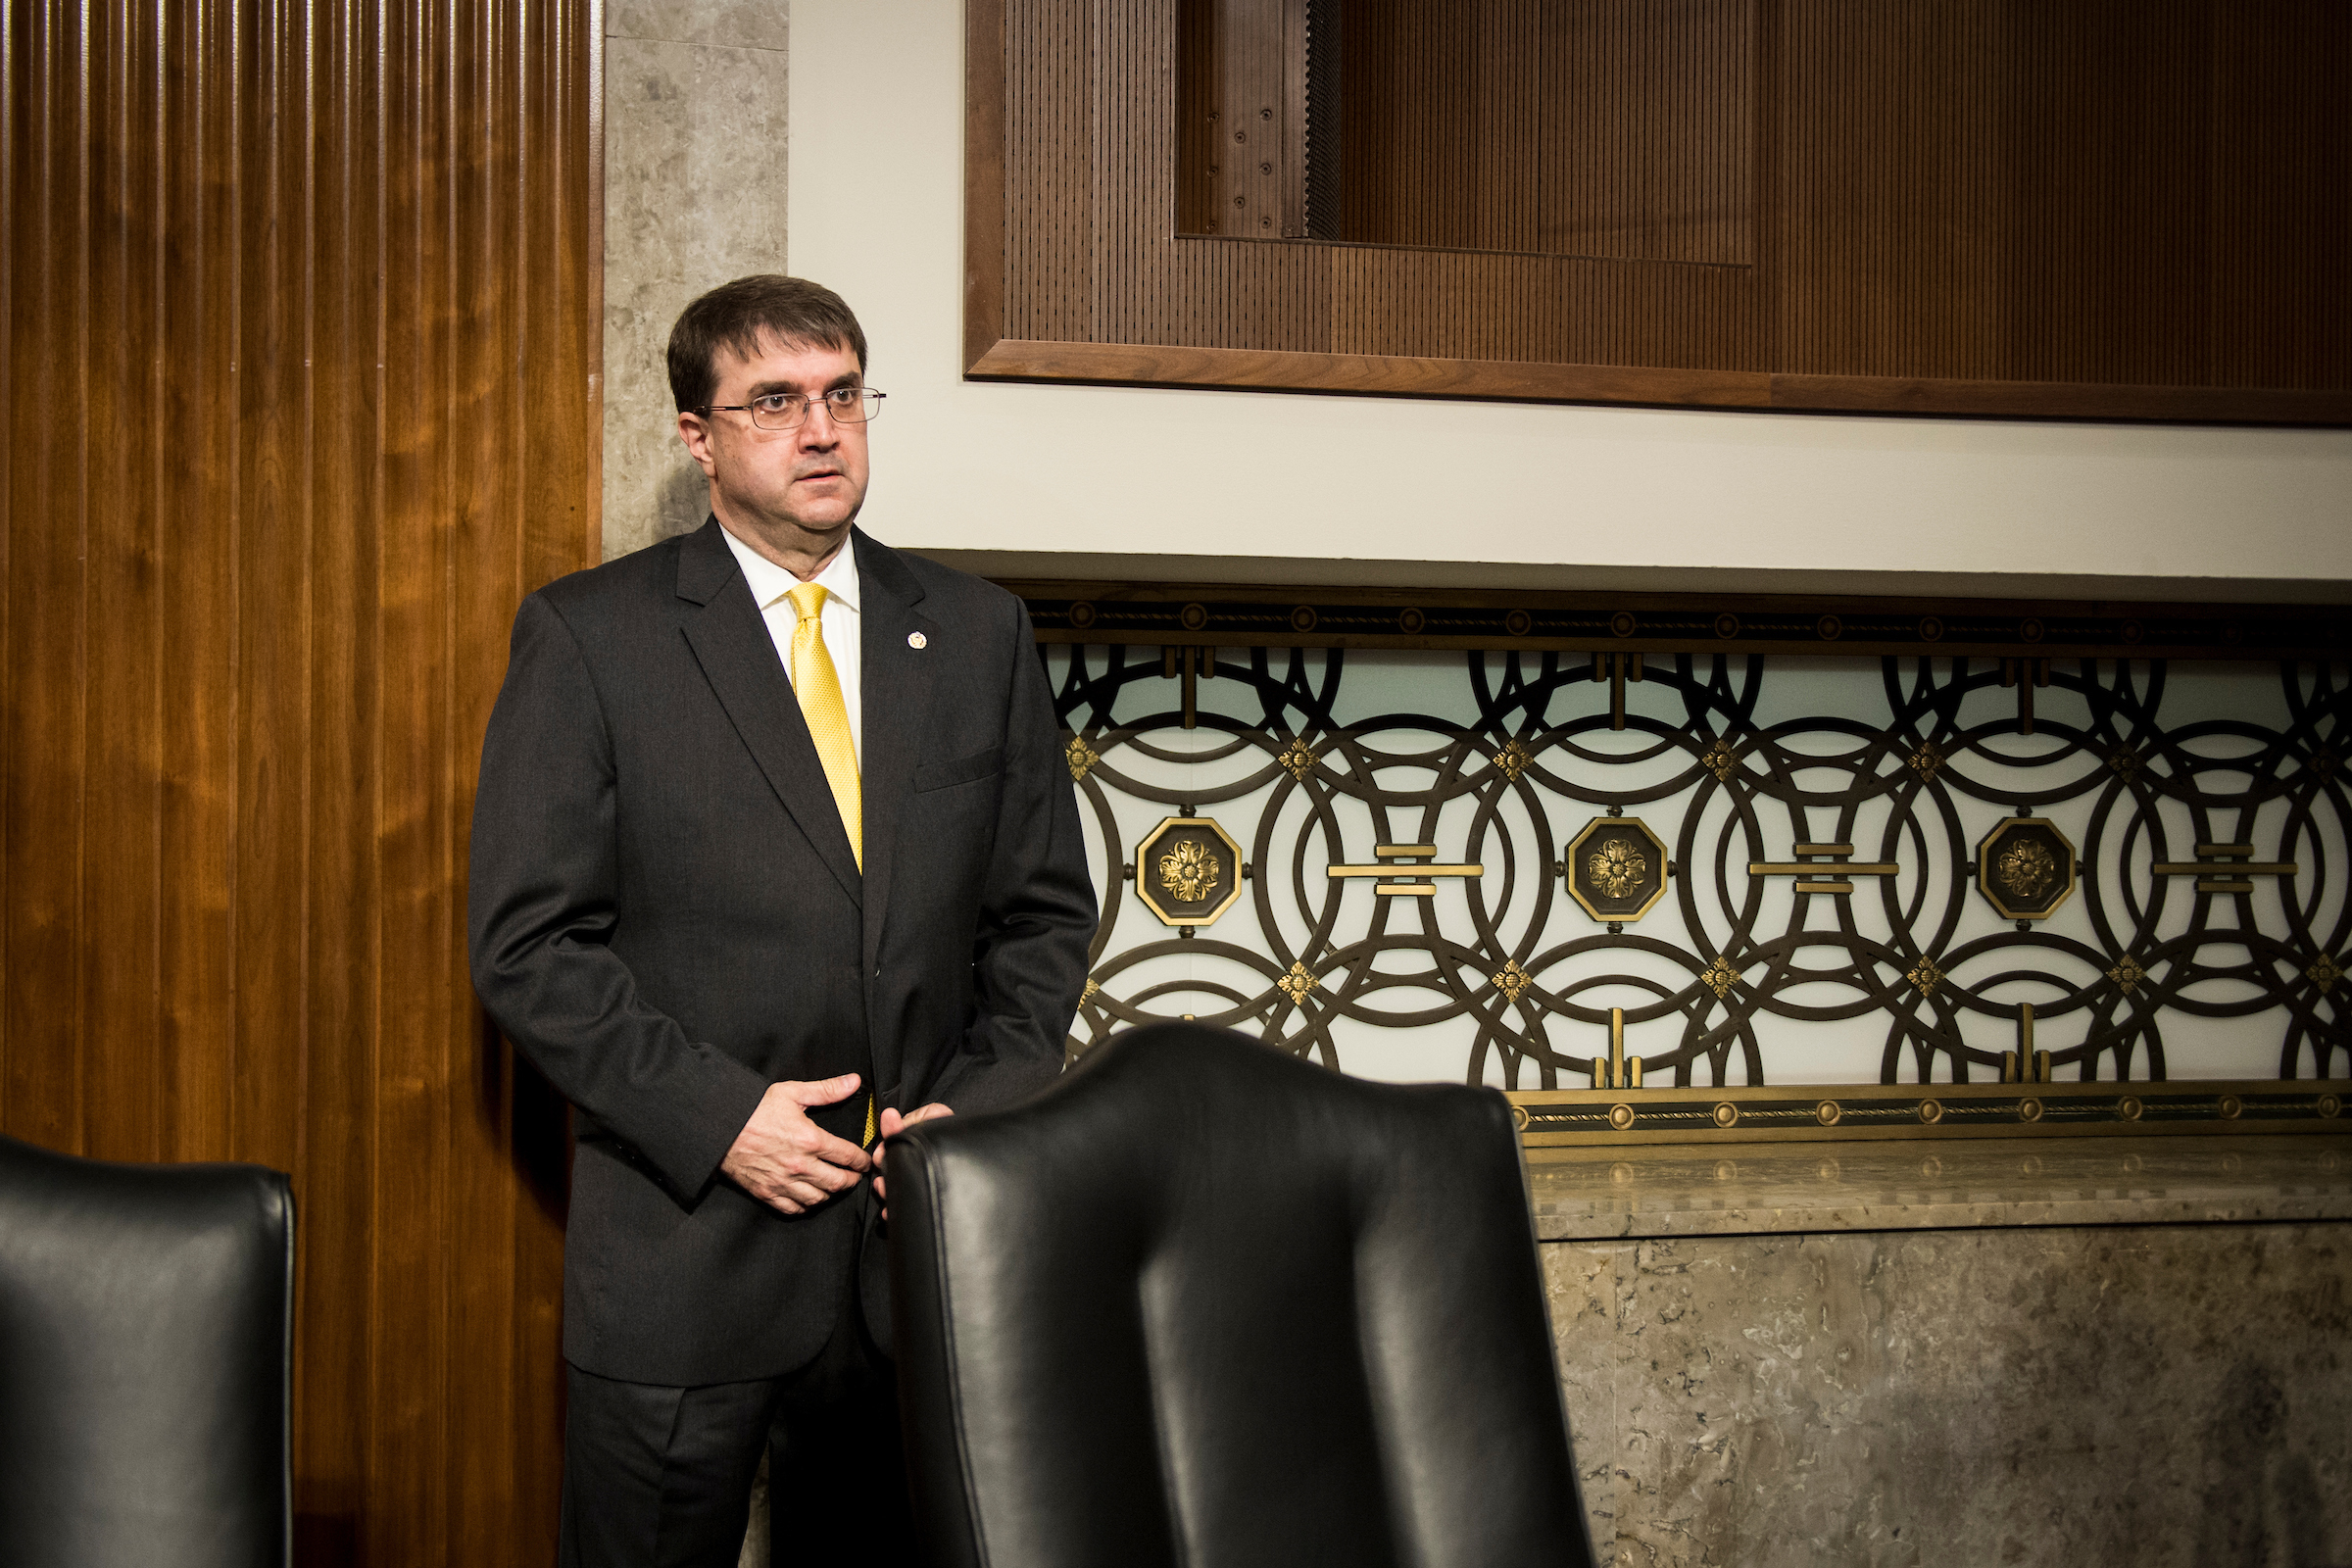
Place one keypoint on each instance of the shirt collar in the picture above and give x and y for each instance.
(771, 582)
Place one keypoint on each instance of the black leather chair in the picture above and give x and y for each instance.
(145, 1321)
(1202, 1303)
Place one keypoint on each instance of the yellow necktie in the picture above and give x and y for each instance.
(818, 685)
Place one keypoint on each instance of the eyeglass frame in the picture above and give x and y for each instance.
(867, 396)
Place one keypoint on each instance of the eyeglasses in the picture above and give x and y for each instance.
(781, 411)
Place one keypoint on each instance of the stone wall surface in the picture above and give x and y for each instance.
(694, 149)
(2126, 1393)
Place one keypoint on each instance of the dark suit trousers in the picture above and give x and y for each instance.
(658, 1477)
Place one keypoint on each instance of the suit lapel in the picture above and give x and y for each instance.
(739, 659)
(895, 680)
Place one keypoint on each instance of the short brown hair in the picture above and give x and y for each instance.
(737, 316)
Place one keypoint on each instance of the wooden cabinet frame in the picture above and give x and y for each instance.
(998, 346)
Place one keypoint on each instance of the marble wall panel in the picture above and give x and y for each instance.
(2150, 1395)
(727, 23)
(695, 157)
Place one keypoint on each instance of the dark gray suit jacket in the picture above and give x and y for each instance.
(665, 918)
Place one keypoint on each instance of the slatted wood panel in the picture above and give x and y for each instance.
(2103, 207)
(1644, 117)
(1618, 130)
(300, 346)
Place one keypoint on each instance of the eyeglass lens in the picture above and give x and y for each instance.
(847, 404)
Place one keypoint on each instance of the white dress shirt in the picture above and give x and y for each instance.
(771, 583)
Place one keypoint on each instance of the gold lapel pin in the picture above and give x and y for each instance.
(916, 639)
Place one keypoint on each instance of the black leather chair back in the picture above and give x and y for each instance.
(1202, 1303)
(145, 1314)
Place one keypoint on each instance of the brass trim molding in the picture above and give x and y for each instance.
(1554, 1118)
(1405, 871)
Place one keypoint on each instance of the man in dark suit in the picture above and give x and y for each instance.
(775, 853)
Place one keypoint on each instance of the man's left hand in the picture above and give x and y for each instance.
(890, 1122)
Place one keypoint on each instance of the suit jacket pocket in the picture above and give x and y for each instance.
(959, 770)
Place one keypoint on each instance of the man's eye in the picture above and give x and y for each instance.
(774, 402)
(843, 397)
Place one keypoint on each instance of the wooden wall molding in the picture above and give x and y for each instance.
(1504, 381)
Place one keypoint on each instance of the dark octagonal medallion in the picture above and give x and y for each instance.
(1616, 869)
(1188, 870)
(2026, 867)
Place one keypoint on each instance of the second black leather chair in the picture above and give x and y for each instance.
(1201, 1303)
(145, 1313)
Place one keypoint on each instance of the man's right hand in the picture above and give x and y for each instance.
(786, 1160)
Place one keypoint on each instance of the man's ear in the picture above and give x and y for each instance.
(694, 431)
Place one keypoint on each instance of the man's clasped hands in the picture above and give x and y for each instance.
(790, 1163)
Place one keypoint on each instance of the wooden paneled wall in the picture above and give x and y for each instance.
(1617, 130)
(301, 352)
(2069, 207)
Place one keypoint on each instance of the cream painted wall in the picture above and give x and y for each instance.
(1304, 484)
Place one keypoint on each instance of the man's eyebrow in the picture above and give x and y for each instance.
(760, 389)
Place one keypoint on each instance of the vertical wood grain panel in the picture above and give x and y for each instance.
(273, 456)
(1196, 91)
(425, 181)
(2280, 68)
(1893, 127)
(987, 234)
(482, 588)
(298, 368)
(13, 107)
(1645, 130)
(49, 236)
(339, 1091)
(119, 972)
(1504, 180)
(197, 120)
(549, 530)
(2107, 113)
(1047, 168)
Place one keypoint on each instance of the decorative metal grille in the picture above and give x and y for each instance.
(1790, 870)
